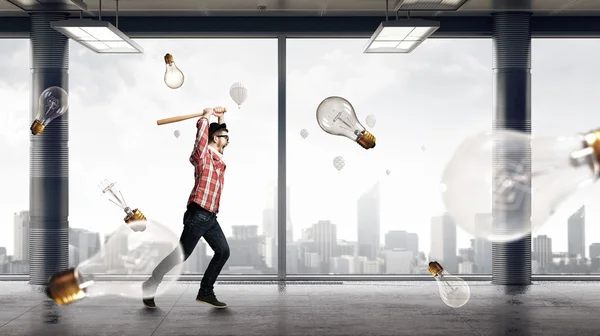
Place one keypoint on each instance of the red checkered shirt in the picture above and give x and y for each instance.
(209, 171)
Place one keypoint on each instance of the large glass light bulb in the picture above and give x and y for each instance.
(53, 102)
(493, 169)
(108, 189)
(336, 116)
(173, 76)
(454, 291)
(127, 252)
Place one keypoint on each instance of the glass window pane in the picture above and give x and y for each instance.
(375, 215)
(564, 102)
(14, 146)
(115, 102)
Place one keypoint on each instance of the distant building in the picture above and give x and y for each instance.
(443, 242)
(21, 236)
(86, 244)
(368, 223)
(542, 253)
(576, 233)
(402, 240)
(399, 261)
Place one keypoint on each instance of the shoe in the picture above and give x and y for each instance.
(149, 303)
(148, 290)
(210, 299)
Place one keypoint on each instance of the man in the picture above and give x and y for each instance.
(200, 219)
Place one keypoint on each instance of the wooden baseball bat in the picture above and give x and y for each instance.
(178, 118)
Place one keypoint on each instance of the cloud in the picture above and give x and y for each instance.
(336, 55)
(15, 115)
(476, 64)
(15, 51)
(14, 93)
(452, 69)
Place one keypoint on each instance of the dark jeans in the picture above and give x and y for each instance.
(198, 223)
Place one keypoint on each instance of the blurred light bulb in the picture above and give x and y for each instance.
(127, 252)
(53, 103)
(454, 291)
(336, 116)
(173, 76)
(108, 188)
(493, 168)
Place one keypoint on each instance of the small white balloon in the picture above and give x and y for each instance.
(339, 163)
(177, 133)
(238, 92)
(304, 133)
(371, 120)
(388, 172)
(423, 148)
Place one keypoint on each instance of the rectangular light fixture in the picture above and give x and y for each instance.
(99, 36)
(400, 36)
(429, 5)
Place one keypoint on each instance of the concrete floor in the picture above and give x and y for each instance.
(349, 308)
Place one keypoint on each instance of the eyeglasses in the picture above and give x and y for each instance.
(223, 136)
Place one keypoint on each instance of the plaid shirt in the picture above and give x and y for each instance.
(209, 171)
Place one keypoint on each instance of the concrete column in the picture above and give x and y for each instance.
(49, 154)
(512, 105)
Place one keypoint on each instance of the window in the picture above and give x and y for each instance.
(115, 102)
(564, 91)
(360, 219)
(14, 146)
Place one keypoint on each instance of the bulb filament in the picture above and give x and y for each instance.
(338, 117)
(441, 278)
(121, 200)
(53, 102)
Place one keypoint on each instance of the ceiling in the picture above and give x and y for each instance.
(419, 8)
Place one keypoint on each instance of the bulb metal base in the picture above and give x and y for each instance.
(591, 151)
(37, 127)
(136, 216)
(366, 140)
(169, 59)
(63, 287)
(435, 268)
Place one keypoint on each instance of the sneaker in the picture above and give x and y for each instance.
(210, 299)
(148, 291)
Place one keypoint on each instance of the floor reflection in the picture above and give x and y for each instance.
(511, 320)
(50, 312)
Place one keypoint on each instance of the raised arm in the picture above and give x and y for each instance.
(201, 144)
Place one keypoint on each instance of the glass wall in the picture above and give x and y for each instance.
(381, 213)
(115, 102)
(564, 102)
(14, 147)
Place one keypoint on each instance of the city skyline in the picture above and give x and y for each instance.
(319, 251)
(123, 95)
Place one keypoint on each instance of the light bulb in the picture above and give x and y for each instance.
(108, 188)
(336, 116)
(131, 253)
(173, 76)
(559, 167)
(454, 291)
(53, 103)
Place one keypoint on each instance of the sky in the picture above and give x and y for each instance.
(431, 99)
